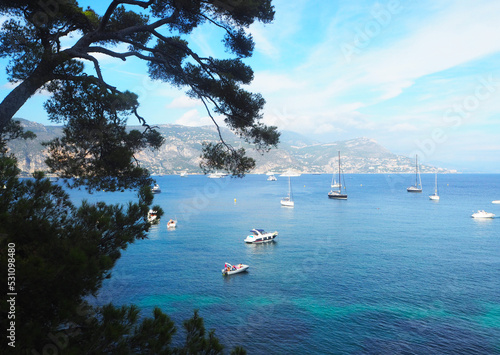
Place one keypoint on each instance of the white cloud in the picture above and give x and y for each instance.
(262, 43)
(403, 127)
(457, 35)
(269, 82)
(183, 102)
(328, 128)
(193, 118)
(400, 84)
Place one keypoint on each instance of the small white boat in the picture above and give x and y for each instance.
(271, 178)
(287, 202)
(260, 236)
(183, 174)
(483, 214)
(216, 175)
(152, 216)
(172, 223)
(156, 189)
(234, 269)
(496, 201)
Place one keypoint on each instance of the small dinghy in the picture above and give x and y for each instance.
(172, 223)
(234, 269)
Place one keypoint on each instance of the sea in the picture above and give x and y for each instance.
(383, 272)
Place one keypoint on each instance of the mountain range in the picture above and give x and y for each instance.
(182, 148)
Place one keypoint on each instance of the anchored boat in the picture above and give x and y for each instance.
(234, 269)
(260, 236)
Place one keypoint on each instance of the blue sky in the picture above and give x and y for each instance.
(418, 77)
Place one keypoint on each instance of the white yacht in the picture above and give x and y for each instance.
(216, 175)
(156, 189)
(271, 178)
(483, 214)
(260, 236)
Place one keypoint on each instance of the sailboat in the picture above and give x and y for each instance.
(418, 182)
(288, 201)
(337, 194)
(435, 196)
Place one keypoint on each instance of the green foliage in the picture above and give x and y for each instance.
(196, 342)
(219, 157)
(96, 147)
(120, 330)
(31, 39)
(63, 252)
(62, 255)
(12, 131)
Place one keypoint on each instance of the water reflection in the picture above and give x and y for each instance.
(261, 247)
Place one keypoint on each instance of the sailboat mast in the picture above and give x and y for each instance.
(340, 181)
(416, 170)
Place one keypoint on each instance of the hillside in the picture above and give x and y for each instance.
(182, 148)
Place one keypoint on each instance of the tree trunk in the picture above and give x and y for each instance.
(21, 93)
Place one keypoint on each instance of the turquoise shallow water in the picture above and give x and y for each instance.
(384, 272)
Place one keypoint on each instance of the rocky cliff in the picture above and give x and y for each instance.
(182, 149)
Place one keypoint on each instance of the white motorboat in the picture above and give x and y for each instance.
(172, 223)
(234, 269)
(483, 214)
(418, 182)
(260, 236)
(156, 189)
(216, 175)
(496, 201)
(435, 197)
(271, 178)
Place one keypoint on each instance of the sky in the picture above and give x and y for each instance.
(418, 77)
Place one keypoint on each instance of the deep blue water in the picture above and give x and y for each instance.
(385, 272)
